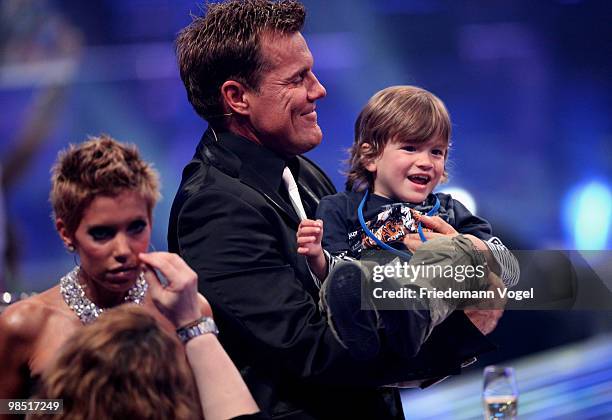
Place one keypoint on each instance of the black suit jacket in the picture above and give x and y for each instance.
(233, 227)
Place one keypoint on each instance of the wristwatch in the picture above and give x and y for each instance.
(196, 328)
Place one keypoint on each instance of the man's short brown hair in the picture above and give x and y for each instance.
(98, 166)
(225, 44)
(397, 113)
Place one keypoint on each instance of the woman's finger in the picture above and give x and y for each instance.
(165, 263)
(155, 285)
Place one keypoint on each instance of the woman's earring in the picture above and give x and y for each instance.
(70, 247)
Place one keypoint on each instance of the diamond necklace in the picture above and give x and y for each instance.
(87, 311)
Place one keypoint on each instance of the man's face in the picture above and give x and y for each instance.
(282, 111)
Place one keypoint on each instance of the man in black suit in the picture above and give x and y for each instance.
(248, 72)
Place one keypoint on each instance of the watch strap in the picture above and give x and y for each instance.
(204, 325)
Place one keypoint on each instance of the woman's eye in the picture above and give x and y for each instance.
(137, 226)
(101, 233)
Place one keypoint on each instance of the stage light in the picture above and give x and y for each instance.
(462, 195)
(587, 213)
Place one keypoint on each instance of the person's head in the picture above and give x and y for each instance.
(247, 68)
(123, 366)
(102, 195)
(402, 138)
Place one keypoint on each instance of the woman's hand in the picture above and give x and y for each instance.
(179, 301)
(223, 393)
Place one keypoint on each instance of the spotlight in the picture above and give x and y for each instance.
(462, 195)
(587, 213)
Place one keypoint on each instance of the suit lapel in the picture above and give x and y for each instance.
(255, 181)
(226, 160)
(213, 150)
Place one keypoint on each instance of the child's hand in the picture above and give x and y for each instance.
(309, 236)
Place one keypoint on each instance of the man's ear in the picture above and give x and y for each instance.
(233, 94)
(369, 163)
(66, 237)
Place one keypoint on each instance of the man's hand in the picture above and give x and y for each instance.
(439, 227)
(179, 301)
(309, 236)
(486, 319)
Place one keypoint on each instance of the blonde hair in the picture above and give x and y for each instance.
(406, 113)
(98, 166)
(122, 366)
